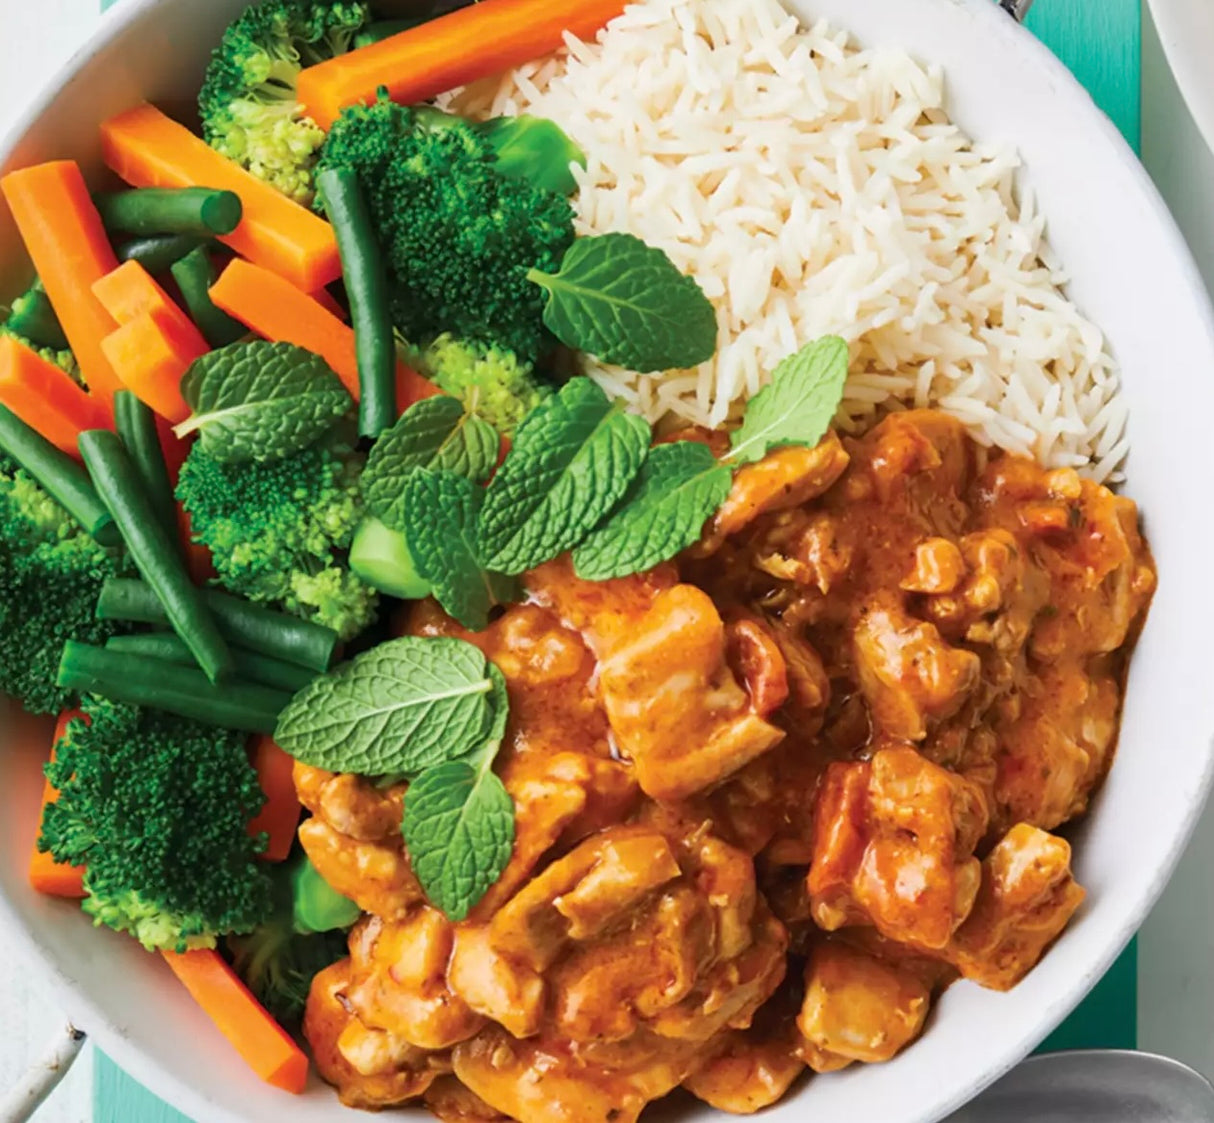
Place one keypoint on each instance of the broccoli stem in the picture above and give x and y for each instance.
(60, 476)
(201, 211)
(139, 681)
(34, 318)
(381, 557)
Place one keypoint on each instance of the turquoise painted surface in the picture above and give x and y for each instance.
(1101, 41)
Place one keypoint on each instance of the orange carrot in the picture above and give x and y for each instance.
(325, 299)
(46, 398)
(55, 879)
(279, 817)
(453, 50)
(130, 290)
(148, 149)
(198, 559)
(175, 448)
(277, 310)
(266, 1047)
(69, 248)
(150, 354)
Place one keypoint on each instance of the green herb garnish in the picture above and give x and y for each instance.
(441, 521)
(627, 303)
(574, 457)
(433, 433)
(400, 707)
(260, 401)
(680, 486)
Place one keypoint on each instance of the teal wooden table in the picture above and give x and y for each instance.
(1101, 41)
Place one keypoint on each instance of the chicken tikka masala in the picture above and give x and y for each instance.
(771, 799)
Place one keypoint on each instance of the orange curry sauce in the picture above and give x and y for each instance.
(770, 800)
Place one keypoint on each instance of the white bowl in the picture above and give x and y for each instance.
(1131, 272)
(1186, 30)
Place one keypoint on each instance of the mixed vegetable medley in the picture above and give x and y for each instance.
(287, 375)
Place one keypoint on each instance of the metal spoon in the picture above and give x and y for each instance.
(1095, 1086)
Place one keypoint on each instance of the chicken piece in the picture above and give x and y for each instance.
(633, 931)
(370, 1068)
(350, 804)
(448, 1099)
(996, 599)
(922, 452)
(909, 675)
(894, 846)
(786, 478)
(1028, 896)
(1052, 756)
(809, 547)
(375, 875)
(757, 660)
(748, 1075)
(858, 1008)
(675, 707)
(565, 796)
(939, 567)
(540, 1081)
(1087, 540)
(399, 980)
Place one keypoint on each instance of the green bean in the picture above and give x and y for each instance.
(170, 210)
(60, 476)
(366, 281)
(195, 276)
(140, 681)
(157, 254)
(136, 425)
(247, 625)
(251, 665)
(385, 28)
(155, 551)
(33, 318)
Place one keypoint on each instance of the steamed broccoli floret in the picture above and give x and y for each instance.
(457, 234)
(305, 934)
(31, 313)
(248, 106)
(278, 531)
(50, 576)
(490, 381)
(157, 808)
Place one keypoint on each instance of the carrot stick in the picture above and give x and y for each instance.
(266, 1047)
(55, 879)
(277, 310)
(148, 149)
(453, 50)
(46, 398)
(198, 559)
(150, 354)
(69, 248)
(279, 817)
(130, 290)
(326, 300)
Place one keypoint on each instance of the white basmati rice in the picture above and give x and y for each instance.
(813, 187)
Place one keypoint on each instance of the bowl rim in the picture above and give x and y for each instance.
(1079, 107)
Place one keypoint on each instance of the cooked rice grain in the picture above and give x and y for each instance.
(813, 187)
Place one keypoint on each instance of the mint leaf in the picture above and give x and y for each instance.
(432, 433)
(400, 707)
(680, 486)
(499, 700)
(797, 406)
(260, 401)
(459, 831)
(627, 303)
(441, 517)
(573, 458)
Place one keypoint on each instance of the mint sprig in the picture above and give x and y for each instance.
(260, 401)
(797, 406)
(574, 457)
(441, 521)
(433, 433)
(627, 303)
(398, 708)
(680, 486)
